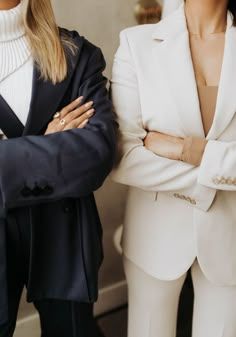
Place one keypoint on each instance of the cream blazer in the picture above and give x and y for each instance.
(175, 212)
(169, 6)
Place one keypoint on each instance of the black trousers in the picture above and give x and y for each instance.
(58, 318)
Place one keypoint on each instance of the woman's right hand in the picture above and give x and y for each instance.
(71, 117)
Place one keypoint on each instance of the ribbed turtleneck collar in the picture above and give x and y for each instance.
(14, 47)
(11, 24)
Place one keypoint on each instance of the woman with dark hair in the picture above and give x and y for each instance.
(55, 108)
(174, 92)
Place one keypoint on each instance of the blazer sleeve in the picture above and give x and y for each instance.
(218, 166)
(138, 166)
(36, 169)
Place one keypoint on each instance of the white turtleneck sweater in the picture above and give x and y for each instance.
(16, 63)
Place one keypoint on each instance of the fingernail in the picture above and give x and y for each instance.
(79, 99)
(84, 122)
(87, 105)
(90, 112)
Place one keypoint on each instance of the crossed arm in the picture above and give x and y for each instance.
(72, 163)
(189, 150)
(157, 162)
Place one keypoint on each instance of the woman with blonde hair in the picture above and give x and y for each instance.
(57, 147)
(174, 94)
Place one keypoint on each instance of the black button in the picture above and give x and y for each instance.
(48, 190)
(67, 209)
(26, 192)
(37, 191)
(68, 206)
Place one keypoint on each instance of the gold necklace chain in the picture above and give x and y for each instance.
(213, 33)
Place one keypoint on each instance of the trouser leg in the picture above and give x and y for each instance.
(185, 311)
(214, 307)
(15, 277)
(66, 319)
(153, 304)
(7, 329)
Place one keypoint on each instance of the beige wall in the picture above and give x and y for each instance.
(100, 21)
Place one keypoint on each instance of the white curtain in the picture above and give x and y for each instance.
(169, 6)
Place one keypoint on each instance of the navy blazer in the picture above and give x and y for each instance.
(51, 173)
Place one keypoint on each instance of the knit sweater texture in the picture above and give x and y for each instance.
(16, 63)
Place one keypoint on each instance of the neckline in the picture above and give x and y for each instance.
(12, 24)
(11, 10)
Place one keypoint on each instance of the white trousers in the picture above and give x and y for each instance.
(153, 305)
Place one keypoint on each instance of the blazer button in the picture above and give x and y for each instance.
(67, 209)
(223, 181)
(68, 206)
(48, 190)
(37, 191)
(26, 192)
(230, 181)
(216, 180)
(220, 179)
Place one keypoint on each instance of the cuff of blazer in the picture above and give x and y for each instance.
(193, 150)
(200, 197)
(216, 170)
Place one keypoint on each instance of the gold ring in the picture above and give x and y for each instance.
(62, 121)
(57, 115)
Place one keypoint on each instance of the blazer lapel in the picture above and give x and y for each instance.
(172, 50)
(226, 101)
(47, 97)
(9, 122)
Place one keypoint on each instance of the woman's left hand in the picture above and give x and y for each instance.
(163, 145)
(71, 116)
